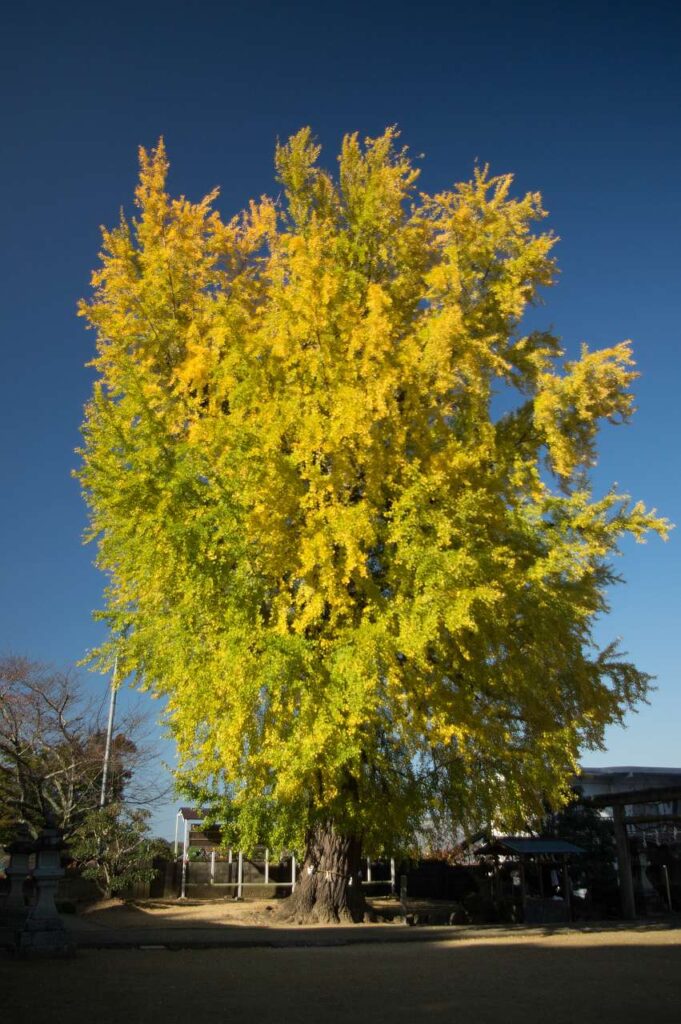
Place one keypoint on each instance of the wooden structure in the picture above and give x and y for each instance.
(656, 800)
(230, 870)
(540, 850)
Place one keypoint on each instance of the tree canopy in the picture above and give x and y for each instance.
(115, 849)
(52, 740)
(366, 593)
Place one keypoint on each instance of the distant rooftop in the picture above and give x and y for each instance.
(649, 784)
(192, 814)
(630, 770)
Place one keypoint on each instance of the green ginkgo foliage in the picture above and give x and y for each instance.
(365, 596)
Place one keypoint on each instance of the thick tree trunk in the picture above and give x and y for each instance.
(329, 888)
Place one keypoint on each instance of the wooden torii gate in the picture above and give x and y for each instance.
(619, 802)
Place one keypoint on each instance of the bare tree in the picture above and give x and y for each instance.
(52, 739)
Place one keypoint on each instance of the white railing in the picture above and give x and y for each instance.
(240, 884)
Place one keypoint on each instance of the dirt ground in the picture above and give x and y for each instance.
(117, 914)
(617, 976)
(153, 913)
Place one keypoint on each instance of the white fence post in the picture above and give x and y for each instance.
(235, 878)
(185, 858)
(240, 876)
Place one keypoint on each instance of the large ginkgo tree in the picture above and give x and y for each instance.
(343, 502)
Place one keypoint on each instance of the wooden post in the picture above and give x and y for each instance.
(495, 883)
(624, 863)
(523, 890)
(567, 896)
(665, 871)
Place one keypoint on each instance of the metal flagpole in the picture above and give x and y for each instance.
(109, 733)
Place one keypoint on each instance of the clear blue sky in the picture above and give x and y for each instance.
(582, 101)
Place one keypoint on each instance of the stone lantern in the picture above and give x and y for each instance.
(17, 871)
(43, 931)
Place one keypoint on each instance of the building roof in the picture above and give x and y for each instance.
(628, 784)
(527, 845)
(192, 814)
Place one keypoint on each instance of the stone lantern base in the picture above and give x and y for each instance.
(42, 938)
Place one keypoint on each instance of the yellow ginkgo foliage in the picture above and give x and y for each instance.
(365, 597)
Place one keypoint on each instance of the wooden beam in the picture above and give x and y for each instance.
(659, 795)
(652, 819)
(624, 864)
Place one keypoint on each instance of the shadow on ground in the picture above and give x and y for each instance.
(629, 977)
